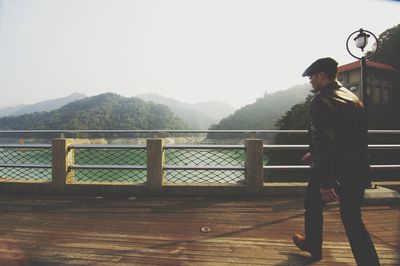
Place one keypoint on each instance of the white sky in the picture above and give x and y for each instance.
(230, 50)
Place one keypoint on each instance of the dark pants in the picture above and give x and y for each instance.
(351, 197)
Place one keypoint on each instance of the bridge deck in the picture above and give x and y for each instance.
(166, 231)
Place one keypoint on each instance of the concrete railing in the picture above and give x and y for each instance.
(63, 169)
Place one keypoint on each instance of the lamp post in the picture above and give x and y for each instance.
(361, 41)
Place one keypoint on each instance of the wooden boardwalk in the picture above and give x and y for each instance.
(64, 230)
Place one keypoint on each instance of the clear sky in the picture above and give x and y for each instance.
(190, 50)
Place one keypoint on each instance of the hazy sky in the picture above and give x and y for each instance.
(230, 50)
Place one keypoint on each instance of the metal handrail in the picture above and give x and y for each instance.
(108, 146)
(17, 146)
(167, 167)
(158, 131)
(175, 146)
(221, 147)
(385, 166)
(286, 167)
(383, 131)
(373, 131)
(384, 146)
(307, 167)
(286, 146)
(303, 146)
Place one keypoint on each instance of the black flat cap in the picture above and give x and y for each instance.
(326, 65)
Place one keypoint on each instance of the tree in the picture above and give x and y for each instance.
(389, 47)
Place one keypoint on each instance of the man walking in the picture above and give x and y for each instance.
(339, 163)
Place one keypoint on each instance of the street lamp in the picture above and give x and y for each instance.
(361, 41)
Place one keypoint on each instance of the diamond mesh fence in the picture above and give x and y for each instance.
(109, 176)
(204, 158)
(110, 158)
(19, 160)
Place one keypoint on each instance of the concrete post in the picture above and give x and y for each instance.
(155, 165)
(252, 135)
(254, 166)
(62, 158)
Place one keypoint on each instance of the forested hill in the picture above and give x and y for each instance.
(264, 113)
(104, 111)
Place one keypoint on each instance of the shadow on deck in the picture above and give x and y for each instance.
(66, 230)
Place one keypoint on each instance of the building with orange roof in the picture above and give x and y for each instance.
(383, 82)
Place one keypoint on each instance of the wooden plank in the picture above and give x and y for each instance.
(166, 231)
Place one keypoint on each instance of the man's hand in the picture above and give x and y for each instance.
(328, 194)
(307, 159)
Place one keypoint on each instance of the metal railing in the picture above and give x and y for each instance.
(306, 147)
(109, 163)
(204, 163)
(172, 131)
(28, 162)
(128, 164)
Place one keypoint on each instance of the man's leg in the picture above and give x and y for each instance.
(351, 197)
(313, 217)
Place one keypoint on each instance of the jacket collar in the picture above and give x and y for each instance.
(331, 86)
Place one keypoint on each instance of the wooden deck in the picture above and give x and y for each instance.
(167, 231)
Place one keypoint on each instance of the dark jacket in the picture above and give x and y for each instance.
(338, 132)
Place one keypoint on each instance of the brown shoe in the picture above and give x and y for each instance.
(301, 243)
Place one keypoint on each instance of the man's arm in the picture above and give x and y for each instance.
(322, 142)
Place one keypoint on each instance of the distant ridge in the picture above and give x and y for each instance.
(8, 110)
(199, 115)
(47, 105)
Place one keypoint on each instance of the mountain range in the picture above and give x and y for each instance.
(79, 112)
(47, 105)
(198, 115)
(104, 111)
